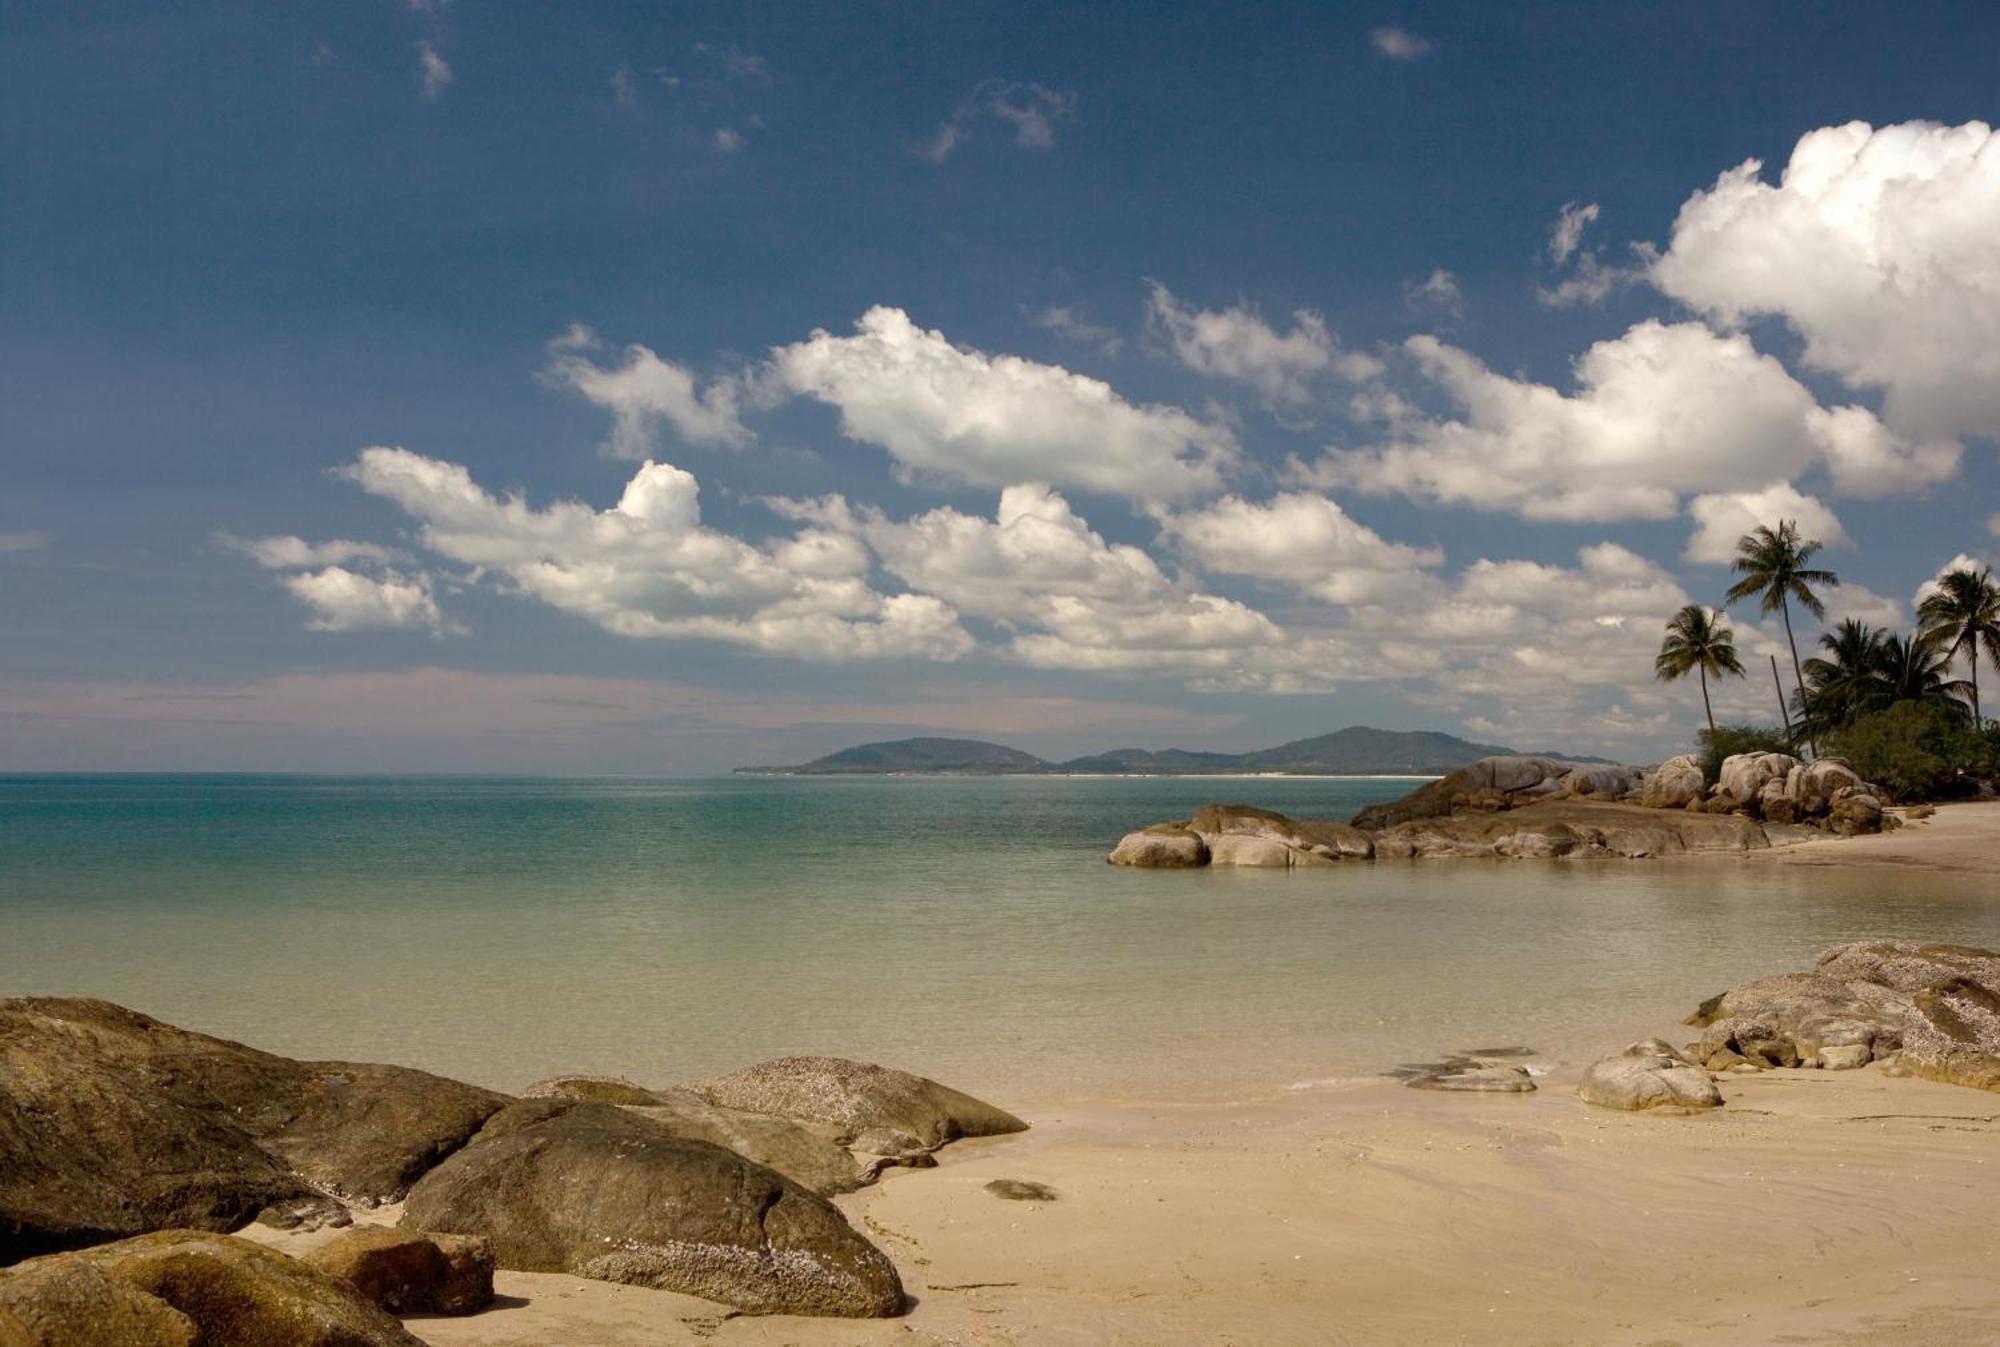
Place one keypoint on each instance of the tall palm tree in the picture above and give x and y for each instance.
(1774, 570)
(1964, 613)
(1917, 668)
(1849, 679)
(1697, 640)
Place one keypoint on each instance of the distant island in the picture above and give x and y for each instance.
(1355, 751)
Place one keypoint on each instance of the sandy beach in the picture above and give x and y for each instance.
(1816, 1207)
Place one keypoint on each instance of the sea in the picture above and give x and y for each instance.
(504, 929)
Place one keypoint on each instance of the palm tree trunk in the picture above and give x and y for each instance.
(1711, 710)
(1977, 723)
(1798, 675)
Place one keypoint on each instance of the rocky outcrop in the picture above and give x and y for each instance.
(1674, 784)
(411, 1271)
(1779, 788)
(1164, 846)
(189, 1288)
(113, 1123)
(852, 1098)
(1932, 1008)
(1570, 828)
(808, 1158)
(593, 1190)
(1491, 783)
(1644, 1077)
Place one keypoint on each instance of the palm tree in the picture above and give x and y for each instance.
(1697, 640)
(1964, 612)
(1774, 570)
(1848, 680)
(1918, 669)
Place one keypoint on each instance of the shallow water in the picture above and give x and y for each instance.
(501, 930)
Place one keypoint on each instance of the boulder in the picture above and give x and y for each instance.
(1909, 965)
(593, 1190)
(411, 1271)
(1329, 841)
(1854, 813)
(1674, 784)
(1165, 846)
(1786, 1020)
(1476, 1077)
(1512, 776)
(852, 1097)
(1580, 828)
(1639, 1078)
(1605, 781)
(60, 1302)
(1744, 775)
(232, 1292)
(1952, 1034)
(113, 1123)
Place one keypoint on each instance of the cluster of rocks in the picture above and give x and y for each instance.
(1538, 807)
(128, 1147)
(1927, 1010)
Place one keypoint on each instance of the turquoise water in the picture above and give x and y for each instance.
(501, 930)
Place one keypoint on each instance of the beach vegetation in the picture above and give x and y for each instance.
(1698, 641)
(1774, 567)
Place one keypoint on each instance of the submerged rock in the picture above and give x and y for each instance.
(593, 1190)
(1476, 1077)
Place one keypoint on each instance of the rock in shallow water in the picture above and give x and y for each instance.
(1161, 847)
(593, 1190)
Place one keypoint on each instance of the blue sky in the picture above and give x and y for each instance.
(1070, 375)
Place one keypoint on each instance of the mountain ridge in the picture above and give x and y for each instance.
(1357, 750)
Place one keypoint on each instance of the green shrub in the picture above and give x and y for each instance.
(1726, 741)
(1918, 750)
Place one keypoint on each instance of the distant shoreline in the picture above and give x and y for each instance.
(1116, 776)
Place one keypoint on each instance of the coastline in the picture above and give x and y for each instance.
(1848, 1209)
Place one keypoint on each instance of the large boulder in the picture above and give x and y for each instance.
(113, 1123)
(1645, 1078)
(1744, 775)
(1674, 784)
(1908, 965)
(411, 1271)
(233, 1294)
(851, 1098)
(1952, 1033)
(593, 1190)
(1579, 828)
(803, 1155)
(1603, 780)
(1504, 779)
(1164, 846)
(1786, 1020)
(1310, 841)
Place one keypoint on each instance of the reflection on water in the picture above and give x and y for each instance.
(505, 929)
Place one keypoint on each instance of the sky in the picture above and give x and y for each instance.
(439, 385)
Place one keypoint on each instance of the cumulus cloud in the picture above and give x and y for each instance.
(648, 567)
(1065, 597)
(959, 414)
(344, 600)
(1437, 293)
(1878, 248)
(1030, 112)
(643, 393)
(1300, 539)
(1590, 279)
(433, 70)
(1661, 412)
(1398, 44)
(1721, 519)
(1238, 345)
(288, 552)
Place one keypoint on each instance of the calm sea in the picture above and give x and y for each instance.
(504, 929)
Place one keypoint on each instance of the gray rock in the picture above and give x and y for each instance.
(1845, 1056)
(596, 1191)
(1783, 1020)
(1645, 1080)
(1162, 847)
(1953, 1034)
(1476, 1077)
(1744, 775)
(1674, 784)
(850, 1098)
(1908, 965)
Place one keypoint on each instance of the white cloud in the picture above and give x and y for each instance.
(1030, 111)
(1721, 519)
(1070, 324)
(1438, 293)
(1659, 413)
(1236, 344)
(647, 567)
(1567, 234)
(1878, 247)
(287, 552)
(645, 392)
(959, 414)
(25, 540)
(435, 70)
(1398, 44)
(728, 140)
(1964, 561)
(1066, 597)
(1301, 539)
(343, 600)
(1863, 605)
